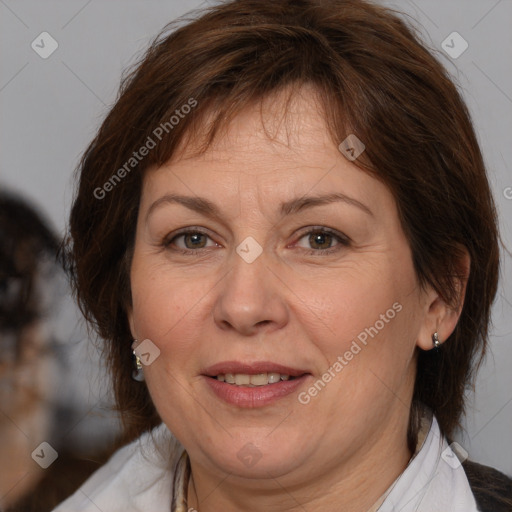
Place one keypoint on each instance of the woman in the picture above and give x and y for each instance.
(285, 234)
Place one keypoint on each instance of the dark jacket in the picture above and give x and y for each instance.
(492, 489)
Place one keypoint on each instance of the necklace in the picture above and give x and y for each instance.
(182, 473)
(180, 484)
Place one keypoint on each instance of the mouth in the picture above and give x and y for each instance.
(251, 381)
(259, 373)
(253, 384)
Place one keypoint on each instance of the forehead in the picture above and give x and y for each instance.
(271, 151)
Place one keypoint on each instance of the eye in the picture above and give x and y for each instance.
(189, 241)
(322, 241)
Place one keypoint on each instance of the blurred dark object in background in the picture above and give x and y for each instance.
(26, 244)
(29, 367)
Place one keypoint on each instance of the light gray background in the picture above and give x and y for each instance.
(51, 109)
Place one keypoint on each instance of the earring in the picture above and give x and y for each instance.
(435, 341)
(138, 373)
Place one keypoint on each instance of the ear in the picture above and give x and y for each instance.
(131, 322)
(127, 262)
(439, 316)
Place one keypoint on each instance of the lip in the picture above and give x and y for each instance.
(258, 396)
(251, 368)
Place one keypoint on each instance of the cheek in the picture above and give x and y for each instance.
(165, 315)
(365, 338)
(169, 310)
(343, 305)
(364, 314)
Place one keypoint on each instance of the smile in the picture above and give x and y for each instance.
(260, 379)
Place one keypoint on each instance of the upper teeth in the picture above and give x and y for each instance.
(243, 379)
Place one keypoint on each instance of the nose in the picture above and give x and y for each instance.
(251, 298)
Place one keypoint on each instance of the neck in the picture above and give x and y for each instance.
(354, 484)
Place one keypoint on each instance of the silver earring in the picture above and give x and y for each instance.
(435, 341)
(138, 373)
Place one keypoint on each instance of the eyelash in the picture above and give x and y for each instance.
(342, 240)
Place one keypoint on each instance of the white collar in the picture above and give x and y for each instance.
(139, 477)
(433, 481)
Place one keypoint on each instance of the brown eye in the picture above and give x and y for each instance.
(192, 241)
(322, 241)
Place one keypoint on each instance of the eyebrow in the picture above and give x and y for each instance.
(206, 207)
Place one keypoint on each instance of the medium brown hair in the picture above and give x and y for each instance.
(374, 79)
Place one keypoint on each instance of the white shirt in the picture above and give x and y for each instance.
(139, 478)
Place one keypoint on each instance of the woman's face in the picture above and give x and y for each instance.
(270, 256)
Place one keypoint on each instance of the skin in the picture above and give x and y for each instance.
(293, 305)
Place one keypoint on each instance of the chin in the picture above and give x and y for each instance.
(257, 456)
